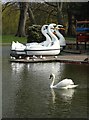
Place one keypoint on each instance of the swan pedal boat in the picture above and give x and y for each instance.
(17, 49)
(43, 51)
(54, 49)
(36, 52)
(51, 46)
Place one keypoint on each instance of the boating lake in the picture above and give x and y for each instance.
(26, 89)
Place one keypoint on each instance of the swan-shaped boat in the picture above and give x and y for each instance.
(53, 48)
(17, 49)
(60, 36)
(47, 42)
(20, 46)
(64, 84)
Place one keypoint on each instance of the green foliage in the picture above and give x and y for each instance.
(34, 34)
(10, 17)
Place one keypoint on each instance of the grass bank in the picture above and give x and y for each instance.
(10, 38)
(7, 39)
(70, 39)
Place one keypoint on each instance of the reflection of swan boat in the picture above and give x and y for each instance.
(17, 68)
(51, 46)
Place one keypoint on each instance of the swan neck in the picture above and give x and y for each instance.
(45, 34)
(59, 35)
(51, 34)
(52, 84)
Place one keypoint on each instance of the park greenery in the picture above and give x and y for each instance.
(18, 16)
(9, 38)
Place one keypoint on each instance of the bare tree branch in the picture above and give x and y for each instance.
(31, 15)
(8, 4)
(51, 4)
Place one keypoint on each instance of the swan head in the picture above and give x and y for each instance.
(52, 76)
(44, 27)
(52, 25)
(60, 27)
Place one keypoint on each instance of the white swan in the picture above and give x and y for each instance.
(60, 36)
(64, 84)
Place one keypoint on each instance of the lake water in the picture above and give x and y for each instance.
(26, 90)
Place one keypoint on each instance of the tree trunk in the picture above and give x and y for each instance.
(31, 16)
(22, 19)
(69, 24)
(69, 12)
(59, 13)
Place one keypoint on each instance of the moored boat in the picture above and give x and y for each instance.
(52, 49)
(51, 46)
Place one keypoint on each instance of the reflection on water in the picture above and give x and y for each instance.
(65, 95)
(17, 68)
(27, 93)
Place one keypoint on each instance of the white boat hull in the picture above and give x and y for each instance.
(43, 52)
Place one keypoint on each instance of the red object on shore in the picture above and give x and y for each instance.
(82, 32)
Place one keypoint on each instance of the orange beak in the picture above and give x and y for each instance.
(61, 28)
(54, 33)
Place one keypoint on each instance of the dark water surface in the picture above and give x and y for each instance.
(27, 94)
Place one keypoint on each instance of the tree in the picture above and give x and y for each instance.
(69, 19)
(76, 11)
(59, 12)
(22, 19)
(31, 16)
(24, 9)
